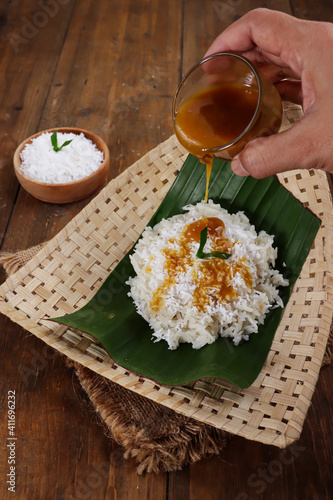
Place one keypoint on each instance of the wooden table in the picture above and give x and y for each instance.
(112, 67)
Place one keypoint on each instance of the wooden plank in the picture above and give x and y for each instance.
(204, 22)
(245, 469)
(28, 59)
(104, 85)
(62, 450)
(116, 75)
(308, 9)
(133, 80)
(46, 425)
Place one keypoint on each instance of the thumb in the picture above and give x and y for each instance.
(292, 149)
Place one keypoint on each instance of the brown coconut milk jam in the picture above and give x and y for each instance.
(221, 104)
(214, 116)
(212, 277)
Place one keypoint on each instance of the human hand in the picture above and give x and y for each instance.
(284, 47)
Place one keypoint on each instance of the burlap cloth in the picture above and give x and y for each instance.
(156, 436)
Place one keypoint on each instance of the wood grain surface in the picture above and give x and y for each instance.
(112, 67)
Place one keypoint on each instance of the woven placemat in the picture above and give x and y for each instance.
(155, 436)
(68, 270)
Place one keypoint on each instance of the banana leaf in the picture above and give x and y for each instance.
(110, 316)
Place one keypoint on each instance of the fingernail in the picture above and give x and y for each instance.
(238, 168)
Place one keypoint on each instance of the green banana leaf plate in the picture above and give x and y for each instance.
(111, 317)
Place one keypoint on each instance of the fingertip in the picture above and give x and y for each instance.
(256, 157)
(238, 169)
(277, 153)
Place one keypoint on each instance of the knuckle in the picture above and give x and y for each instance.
(252, 15)
(257, 11)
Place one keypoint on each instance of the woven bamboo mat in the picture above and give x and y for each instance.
(69, 269)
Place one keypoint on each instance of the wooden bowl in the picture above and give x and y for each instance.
(69, 191)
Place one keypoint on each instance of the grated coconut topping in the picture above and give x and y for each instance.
(76, 161)
(179, 315)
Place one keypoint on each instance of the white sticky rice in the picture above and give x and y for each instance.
(178, 320)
